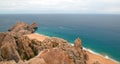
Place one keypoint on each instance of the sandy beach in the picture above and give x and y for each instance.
(39, 37)
(92, 57)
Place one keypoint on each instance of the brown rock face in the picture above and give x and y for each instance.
(24, 49)
(13, 44)
(8, 49)
(55, 56)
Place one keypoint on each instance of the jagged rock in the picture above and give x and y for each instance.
(28, 48)
(13, 46)
(76, 53)
(8, 48)
(24, 49)
(77, 43)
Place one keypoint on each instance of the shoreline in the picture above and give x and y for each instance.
(96, 53)
(89, 51)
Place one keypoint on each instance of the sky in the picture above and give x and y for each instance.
(60, 6)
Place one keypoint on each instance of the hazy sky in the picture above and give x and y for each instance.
(60, 6)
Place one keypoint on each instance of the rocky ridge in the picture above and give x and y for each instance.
(15, 47)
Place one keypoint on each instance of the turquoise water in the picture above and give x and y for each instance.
(99, 32)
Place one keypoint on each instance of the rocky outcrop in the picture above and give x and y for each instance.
(10, 41)
(21, 28)
(77, 43)
(8, 48)
(75, 53)
(80, 54)
(14, 45)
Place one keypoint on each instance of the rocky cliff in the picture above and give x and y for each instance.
(15, 47)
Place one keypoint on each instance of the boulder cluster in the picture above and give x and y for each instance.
(15, 47)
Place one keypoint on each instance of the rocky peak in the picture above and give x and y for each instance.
(77, 43)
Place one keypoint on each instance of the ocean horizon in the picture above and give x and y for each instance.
(98, 32)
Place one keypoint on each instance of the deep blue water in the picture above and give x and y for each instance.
(99, 32)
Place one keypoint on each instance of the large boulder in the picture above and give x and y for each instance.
(55, 56)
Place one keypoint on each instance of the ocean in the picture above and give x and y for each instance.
(98, 32)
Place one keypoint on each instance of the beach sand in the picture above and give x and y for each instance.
(36, 36)
(101, 59)
(92, 56)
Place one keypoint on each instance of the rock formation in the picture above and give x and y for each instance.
(9, 45)
(21, 28)
(17, 48)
